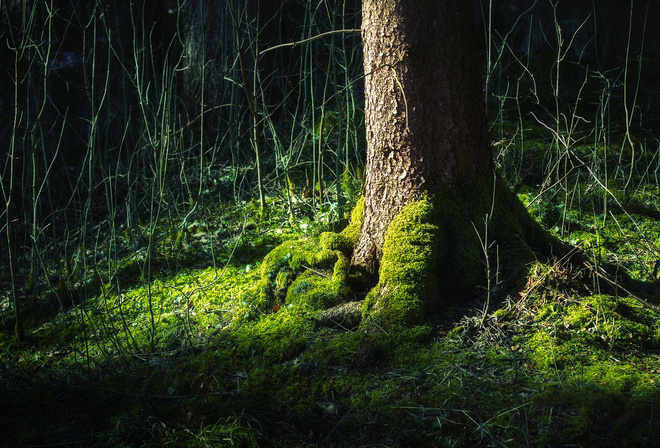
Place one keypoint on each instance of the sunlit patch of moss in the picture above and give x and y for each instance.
(311, 291)
(277, 337)
(616, 378)
(408, 282)
(547, 351)
(583, 346)
(161, 313)
(297, 272)
(220, 296)
(336, 241)
(352, 232)
(284, 263)
(619, 321)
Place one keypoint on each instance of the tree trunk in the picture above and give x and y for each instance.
(424, 110)
(434, 211)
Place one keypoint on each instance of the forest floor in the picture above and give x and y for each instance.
(169, 348)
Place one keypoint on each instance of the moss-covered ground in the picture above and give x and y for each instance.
(213, 337)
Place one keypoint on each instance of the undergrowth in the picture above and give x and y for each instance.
(189, 353)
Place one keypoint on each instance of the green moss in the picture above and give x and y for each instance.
(336, 241)
(339, 350)
(297, 272)
(602, 319)
(545, 351)
(408, 280)
(456, 332)
(352, 232)
(311, 291)
(283, 265)
(346, 240)
(276, 337)
(585, 412)
(584, 346)
(436, 249)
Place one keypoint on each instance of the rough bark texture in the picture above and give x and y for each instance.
(424, 111)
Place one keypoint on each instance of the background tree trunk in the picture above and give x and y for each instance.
(424, 110)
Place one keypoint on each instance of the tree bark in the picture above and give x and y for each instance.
(424, 110)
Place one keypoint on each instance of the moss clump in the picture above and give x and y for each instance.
(298, 272)
(586, 346)
(295, 273)
(352, 232)
(283, 265)
(313, 292)
(336, 241)
(546, 351)
(599, 319)
(345, 240)
(408, 280)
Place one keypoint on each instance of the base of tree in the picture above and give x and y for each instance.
(452, 245)
(449, 246)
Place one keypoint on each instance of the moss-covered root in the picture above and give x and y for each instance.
(437, 248)
(312, 292)
(292, 273)
(408, 280)
(346, 240)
